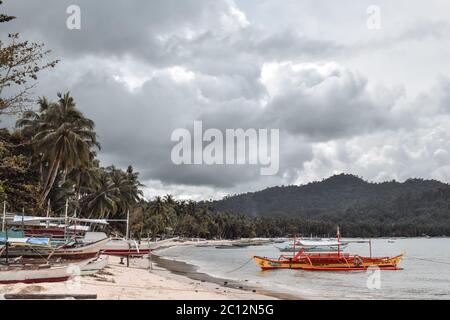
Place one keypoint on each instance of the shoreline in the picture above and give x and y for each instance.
(190, 271)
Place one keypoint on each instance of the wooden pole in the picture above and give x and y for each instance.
(338, 235)
(149, 253)
(65, 218)
(295, 240)
(23, 219)
(128, 255)
(127, 232)
(4, 216)
(48, 212)
(46, 296)
(6, 245)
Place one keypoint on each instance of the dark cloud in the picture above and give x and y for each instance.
(142, 69)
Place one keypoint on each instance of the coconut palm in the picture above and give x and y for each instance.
(102, 199)
(127, 187)
(62, 138)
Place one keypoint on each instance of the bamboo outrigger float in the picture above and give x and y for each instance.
(333, 261)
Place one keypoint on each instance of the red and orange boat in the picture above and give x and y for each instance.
(332, 261)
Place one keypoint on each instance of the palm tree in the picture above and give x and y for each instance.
(127, 187)
(62, 138)
(112, 192)
(102, 200)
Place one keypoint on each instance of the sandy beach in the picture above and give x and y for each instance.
(138, 281)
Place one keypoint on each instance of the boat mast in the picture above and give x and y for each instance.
(338, 236)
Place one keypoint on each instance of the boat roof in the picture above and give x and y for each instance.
(37, 220)
(35, 241)
(312, 243)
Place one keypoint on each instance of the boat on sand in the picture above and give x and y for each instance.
(34, 274)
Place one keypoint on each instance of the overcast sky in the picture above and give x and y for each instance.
(346, 98)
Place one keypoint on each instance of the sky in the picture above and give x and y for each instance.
(345, 96)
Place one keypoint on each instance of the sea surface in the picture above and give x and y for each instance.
(426, 273)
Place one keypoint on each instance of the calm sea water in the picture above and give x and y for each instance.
(420, 279)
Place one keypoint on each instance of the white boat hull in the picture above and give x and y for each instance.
(49, 274)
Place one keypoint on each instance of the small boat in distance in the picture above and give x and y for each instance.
(243, 243)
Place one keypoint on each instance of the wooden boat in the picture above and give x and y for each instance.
(52, 227)
(329, 262)
(33, 274)
(74, 251)
(126, 247)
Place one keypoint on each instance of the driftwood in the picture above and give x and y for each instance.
(43, 296)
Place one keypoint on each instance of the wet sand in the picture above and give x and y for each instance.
(191, 271)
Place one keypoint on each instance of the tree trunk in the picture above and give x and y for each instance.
(52, 176)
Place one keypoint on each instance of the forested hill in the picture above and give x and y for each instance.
(349, 199)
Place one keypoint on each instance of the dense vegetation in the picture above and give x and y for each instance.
(50, 162)
(412, 208)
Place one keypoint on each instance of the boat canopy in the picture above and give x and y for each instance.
(32, 241)
(37, 220)
(310, 243)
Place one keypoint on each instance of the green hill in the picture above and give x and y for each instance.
(413, 207)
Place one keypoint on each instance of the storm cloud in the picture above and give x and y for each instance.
(345, 98)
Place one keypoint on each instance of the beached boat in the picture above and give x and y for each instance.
(126, 247)
(42, 248)
(52, 227)
(33, 274)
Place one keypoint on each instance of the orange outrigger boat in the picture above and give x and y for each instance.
(329, 261)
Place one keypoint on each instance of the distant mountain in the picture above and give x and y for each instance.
(349, 200)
